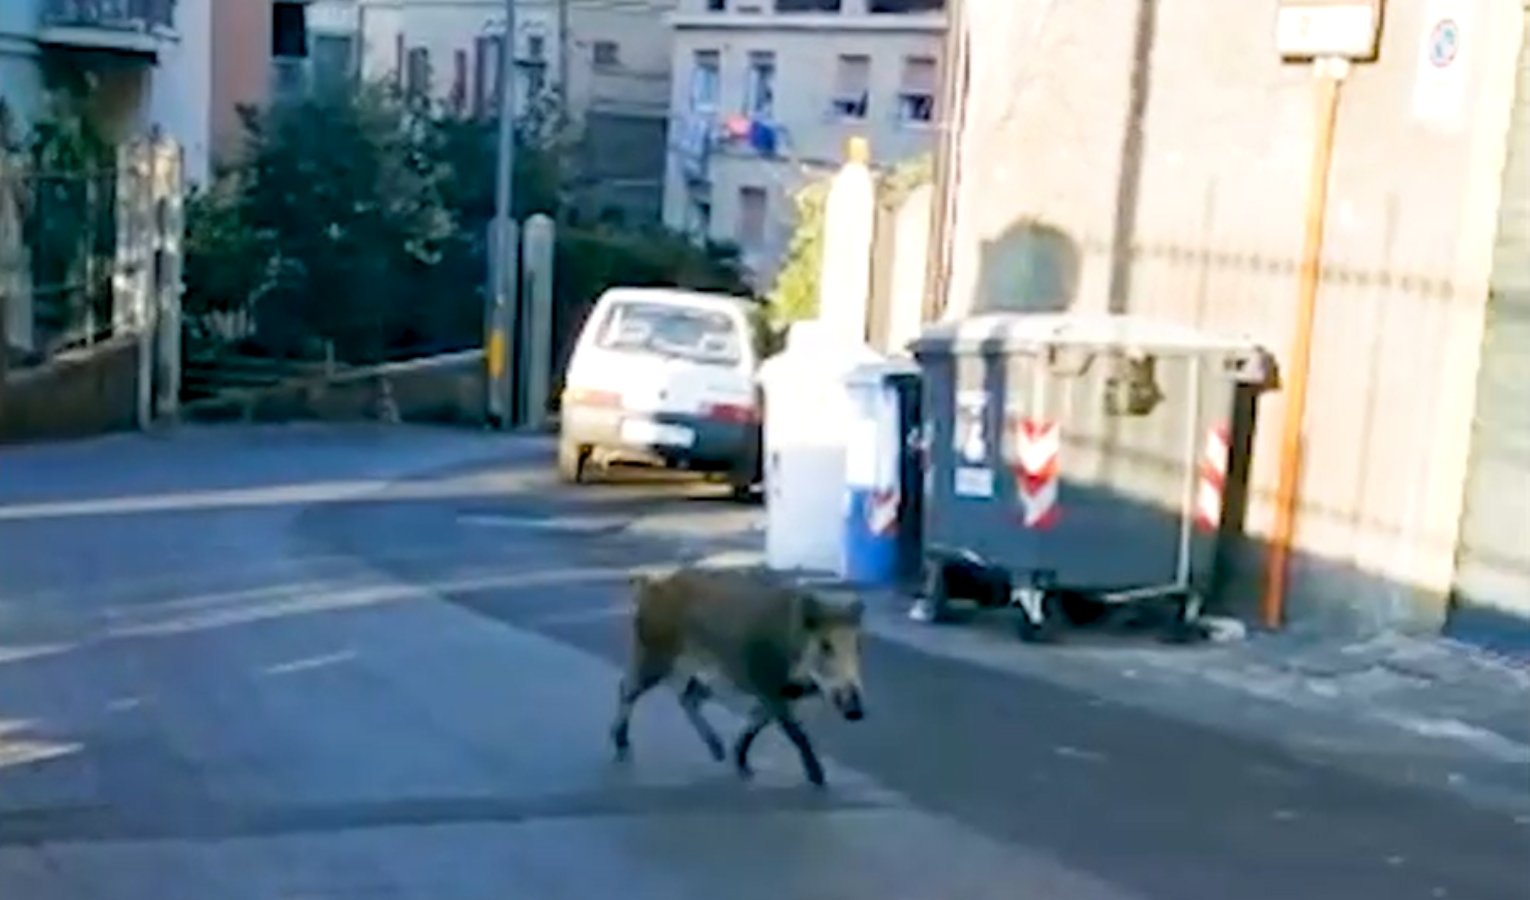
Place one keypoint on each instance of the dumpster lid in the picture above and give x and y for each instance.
(870, 373)
(1035, 331)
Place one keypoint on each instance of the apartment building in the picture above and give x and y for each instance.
(600, 66)
(145, 63)
(618, 71)
(767, 92)
(262, 52)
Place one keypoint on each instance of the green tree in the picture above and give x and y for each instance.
(361, 219)
(794, 295)
(344, 195)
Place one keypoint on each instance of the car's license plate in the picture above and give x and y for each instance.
(642, 431)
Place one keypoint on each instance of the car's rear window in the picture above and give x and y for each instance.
(669, 329)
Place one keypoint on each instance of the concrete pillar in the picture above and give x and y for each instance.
(15, 265)
(844, 284)
(499, 325)
(538, 246)
(134, 310)
(169, 191)
(910, 257)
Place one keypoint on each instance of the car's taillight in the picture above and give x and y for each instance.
(578, 396)
(732, 412)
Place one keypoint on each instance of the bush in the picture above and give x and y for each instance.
(361, 220)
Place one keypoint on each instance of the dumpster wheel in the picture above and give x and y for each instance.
(1040, 614)
(1186, 626)
(934, 604)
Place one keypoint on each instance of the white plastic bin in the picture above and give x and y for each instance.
(807, 417)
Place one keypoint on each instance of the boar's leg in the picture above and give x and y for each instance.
(810, 764)
(637, 683)
(781, 714)
(758, 719)
(692, 696)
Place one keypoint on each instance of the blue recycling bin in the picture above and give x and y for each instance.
(883, 476)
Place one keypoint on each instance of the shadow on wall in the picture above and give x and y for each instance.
(1030, 267)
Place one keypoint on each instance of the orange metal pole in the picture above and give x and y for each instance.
(1299, 361)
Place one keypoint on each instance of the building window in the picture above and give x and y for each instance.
(536, 47)
(289, 78)
(334, 62)
(760, 90)
(486, 66)
(807, 6)
(852, 86)
(905, 6)
(717, 5)
(706, 75)
(751, 217)
(698, 221)
(417, 73)
(458, 99)
(607, 54)
(536, 82)
(916, 95)
(289, 31)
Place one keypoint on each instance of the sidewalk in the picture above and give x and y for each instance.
(1418, 710)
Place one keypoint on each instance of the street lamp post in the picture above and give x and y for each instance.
(503, 240)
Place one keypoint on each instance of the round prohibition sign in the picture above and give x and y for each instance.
(1444, 43)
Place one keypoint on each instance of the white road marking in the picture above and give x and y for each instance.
(573, 524)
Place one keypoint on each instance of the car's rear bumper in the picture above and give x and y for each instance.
(716, 446)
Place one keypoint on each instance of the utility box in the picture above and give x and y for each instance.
(1080, 454)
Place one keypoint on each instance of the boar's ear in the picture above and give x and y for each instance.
(811, 608)
(818, 612)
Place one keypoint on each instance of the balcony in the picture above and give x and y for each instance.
(130, 27)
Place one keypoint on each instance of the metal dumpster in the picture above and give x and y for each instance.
(1079, 455)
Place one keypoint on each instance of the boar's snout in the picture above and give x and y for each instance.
(848, 701)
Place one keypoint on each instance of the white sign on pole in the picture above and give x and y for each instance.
(1311, 29)
(1442, 73)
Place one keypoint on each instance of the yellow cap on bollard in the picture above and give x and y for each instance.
(858, 150)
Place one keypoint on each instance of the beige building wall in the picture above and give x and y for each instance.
(807, 49)
(241, 68)
(1214, 229)
(640, 32)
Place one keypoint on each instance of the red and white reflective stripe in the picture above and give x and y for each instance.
(882, 510)
(1212, 478)
(1038, 446)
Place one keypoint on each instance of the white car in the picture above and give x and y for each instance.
(665, 377)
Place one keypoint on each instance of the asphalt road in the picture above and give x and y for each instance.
(356, 663)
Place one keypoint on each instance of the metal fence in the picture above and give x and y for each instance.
(58, 244)
(90, 278)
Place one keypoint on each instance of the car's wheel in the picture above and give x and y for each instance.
(571, 461)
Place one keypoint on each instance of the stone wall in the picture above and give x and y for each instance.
(85, 392)
(446, 390)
